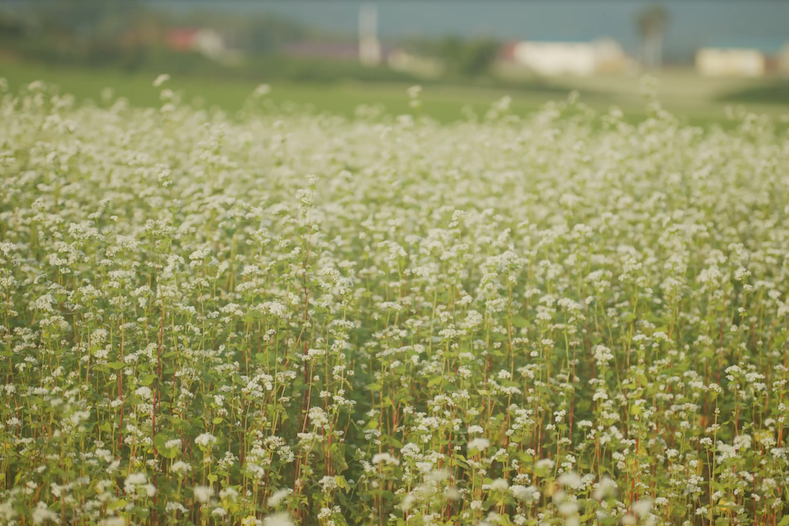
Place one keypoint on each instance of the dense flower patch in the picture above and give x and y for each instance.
(287, 317)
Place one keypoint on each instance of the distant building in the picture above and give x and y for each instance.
(783, 59)
(202, 40)
(603, 55)
(715, 62)
(181, 39)
(742, 59)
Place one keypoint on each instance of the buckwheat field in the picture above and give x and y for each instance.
(283, 317)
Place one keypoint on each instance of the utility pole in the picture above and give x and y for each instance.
(369, 46)
(652, 22)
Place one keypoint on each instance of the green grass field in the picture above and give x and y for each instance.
(697, 101)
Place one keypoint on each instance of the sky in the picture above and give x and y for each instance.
(693, 23)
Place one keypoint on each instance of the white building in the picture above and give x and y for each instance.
(730, 62)
(752, 57)
(206, 41)
(210, 43)
(570, 58)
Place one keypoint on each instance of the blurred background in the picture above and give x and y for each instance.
(335, 55)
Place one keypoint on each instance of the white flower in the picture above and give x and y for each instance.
(499, 485)
(43, 513)
(161, 79)
(525, 493)
(278, 519)
(605, 488)
(642, 507)
(568, 508)
(228, 493)
(479, 444)
(544, 464)
(452, 493)
(136, 478)
(203, 493)
(328, 483)
(205, 440)
(262, 89)
(278, 496)
(386, 458)
(181, 467)
(570, 479)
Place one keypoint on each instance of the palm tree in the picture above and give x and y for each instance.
(652, 23)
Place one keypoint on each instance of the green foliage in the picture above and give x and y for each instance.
(466, 57)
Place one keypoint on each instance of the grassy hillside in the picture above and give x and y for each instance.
(697, 101)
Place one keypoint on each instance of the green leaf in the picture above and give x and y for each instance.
(435, 381)
(159, 441)
(116, 365)
(147, 379)
(541, 470)
(217, 420)
(519, 322)
(341, 482)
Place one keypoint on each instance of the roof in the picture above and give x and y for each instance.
(181, 39)
(765, 45)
